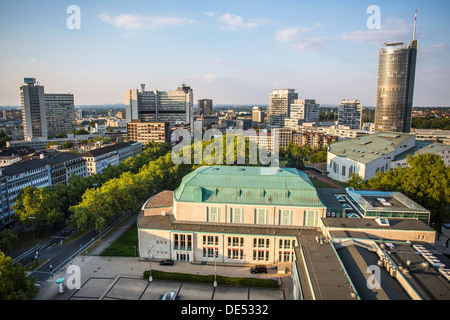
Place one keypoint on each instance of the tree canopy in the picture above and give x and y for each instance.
(425, 180)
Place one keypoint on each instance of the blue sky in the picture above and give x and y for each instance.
(234, 52)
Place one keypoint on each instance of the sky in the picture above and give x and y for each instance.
(233, 52)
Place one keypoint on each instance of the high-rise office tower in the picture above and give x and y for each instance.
(174, 107)
(205, 107)
(33, 109)
(395, 89)
(350, 113)
(305, 110)
(279, 106)
(45, 114)
(60, 113)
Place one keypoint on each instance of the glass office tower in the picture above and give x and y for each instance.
(396, 73)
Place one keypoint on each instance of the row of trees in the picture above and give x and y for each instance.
(50, 206)
(431, 122)
(296, 155)
(426, 180)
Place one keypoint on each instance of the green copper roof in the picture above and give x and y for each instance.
(248, 185)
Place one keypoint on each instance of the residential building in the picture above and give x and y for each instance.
(395, 89)
(8, 160)
(269, 140)
(380, 151)
(120, 115)
(12, 115)
(174, 107)
(350, 114)
(145, 132)
(257, 114)
(317, 140)
(205, 107)
(304, 110)
(60, 113)
(97, 160)
(46, 171)
(280, 106)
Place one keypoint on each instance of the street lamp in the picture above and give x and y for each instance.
(215, 267)
(150, 278)
(34, 239)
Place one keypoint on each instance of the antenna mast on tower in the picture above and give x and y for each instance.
(415, 22)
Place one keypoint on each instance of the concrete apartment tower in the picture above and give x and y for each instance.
(60, 113)
(33, 110)
(280, 106)
(305, 110)
(350, 113)
(395, 89)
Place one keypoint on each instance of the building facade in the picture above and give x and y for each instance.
(304, 110)
(395, 89)
(280, 106)
(145, 132)
(34, 115)
(380, 151)
(257, 114)
(350, 114)
(60, 114)
(257, 215)
(174, 107)
(97, 160)
(229, 213)
(205, 107)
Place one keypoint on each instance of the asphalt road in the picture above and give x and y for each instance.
(55, 252)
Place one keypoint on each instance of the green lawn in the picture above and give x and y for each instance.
(232, 281)
(320, 184)
(125, 246)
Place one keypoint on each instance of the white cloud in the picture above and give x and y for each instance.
(33, 60)
(209, 14)
(209, 77)
(233, 22)
(296, 37)
(134, 21)
(311, 44)
(390, 31)
(218, 60)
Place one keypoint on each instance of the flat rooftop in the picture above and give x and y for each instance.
(384, 202)
(427, 281)
(394, 224)
(328, 276)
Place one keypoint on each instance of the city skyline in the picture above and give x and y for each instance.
(232, 53)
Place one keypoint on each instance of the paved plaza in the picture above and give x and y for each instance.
(115, 278)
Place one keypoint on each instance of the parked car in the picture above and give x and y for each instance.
(258, 269)
(166, 262)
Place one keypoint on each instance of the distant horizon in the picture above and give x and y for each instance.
(122, 105)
